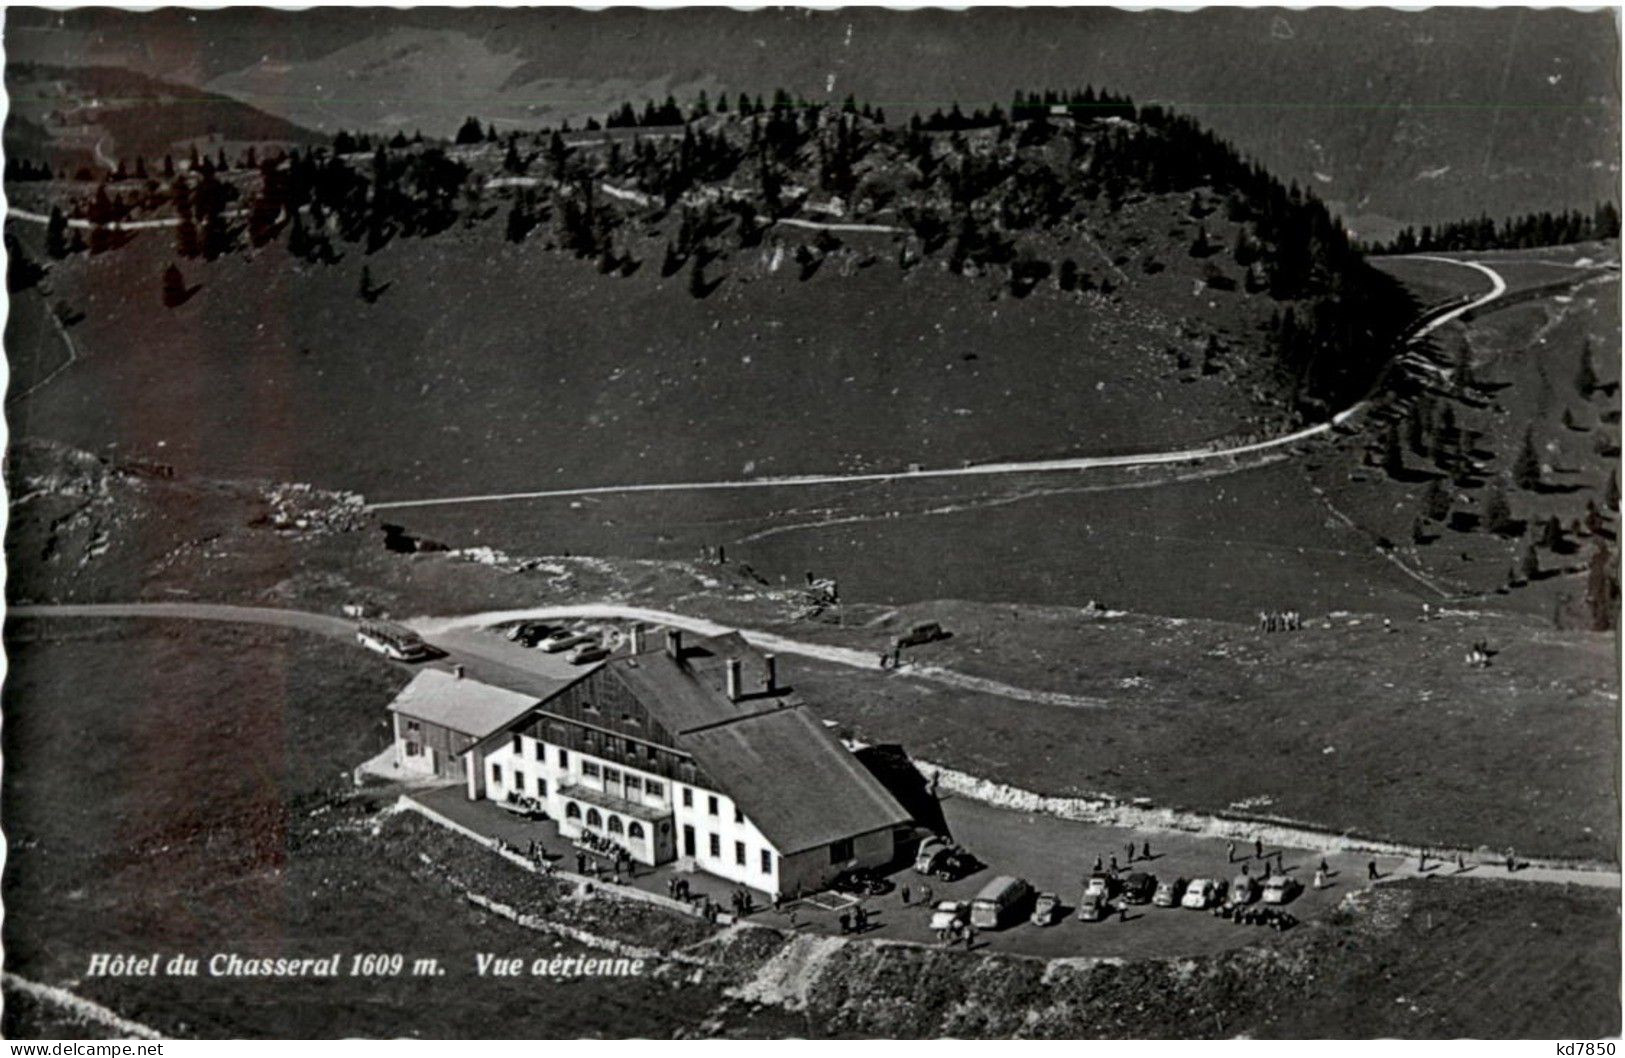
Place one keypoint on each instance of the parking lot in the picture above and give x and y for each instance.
(1053, 854)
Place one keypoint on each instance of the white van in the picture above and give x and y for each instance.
(1001, 900)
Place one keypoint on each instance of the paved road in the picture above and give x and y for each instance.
(1040, 466)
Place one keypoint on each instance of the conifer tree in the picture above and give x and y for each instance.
(1526, 469)
(56, 234)
(174, 287)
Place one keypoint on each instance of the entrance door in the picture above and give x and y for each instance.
(688, 840)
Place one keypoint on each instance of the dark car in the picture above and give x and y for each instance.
(529, 633)
(860, 881)
(944, 860)
(1139, 887)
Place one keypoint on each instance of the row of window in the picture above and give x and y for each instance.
(715, 844)
(712, 806)
(633, 830)
(631, 783)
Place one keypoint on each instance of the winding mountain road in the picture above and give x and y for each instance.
(1072, 464)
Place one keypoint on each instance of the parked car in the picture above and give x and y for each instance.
(564, 639)
(1202, 893)
(1244, 890)
(1103, 884)
(950, 916)
(586, 653)
(860, 881)
(921, 634)
(393, 641)
(1047, 910)
(1169, 892)
(1001, 901)
(944, 859)
(530, 633)
(1139, 887)
(1092, 907)
(1282, 889)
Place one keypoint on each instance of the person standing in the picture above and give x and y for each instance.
(1230, 852)
(905, 895)
(1145, 850)
(1371, 871)
(970, 935)
(1320, 878)
(1258, 847)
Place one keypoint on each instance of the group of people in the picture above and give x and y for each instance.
(857, 921)
(1101, 863)
(1479, 656)
(958, 930)
(1279, 621)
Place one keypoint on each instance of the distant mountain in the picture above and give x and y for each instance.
(1392, 117)
(99, 115)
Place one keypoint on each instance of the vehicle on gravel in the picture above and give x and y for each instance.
(1169, 892)
(1282, 889)
(860, 881)
(921, 634)
(586, 653)
(1047, 910)
(943, 859)
(564, 639)
(1139, 887)
(1202, 894)
(1092, 907)
(529, 633)
(950, 916)
(394, 641)
(1103, 884)
(1244, 890)
(1001, 901)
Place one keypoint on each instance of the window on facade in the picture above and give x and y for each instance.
(633, 784)
(540, 752)
(612, 775)
(593, 818)
(589, 769)
(716, 846)
(518, 746)
(572, 810)
(767, 861)
(496, 773)
(688, 798)
(634, 831)
(413, 749)
(615, 825)
(739, 817)
(541, 786)
(840, 851)
(655, 789)
(612, 744)
(564, 758)
(739, 853)
(413, 725)
(711, 805)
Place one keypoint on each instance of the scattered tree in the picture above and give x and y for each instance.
(174, 287)
(1526, 468)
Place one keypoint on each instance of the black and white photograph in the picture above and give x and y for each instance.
(1078, 523)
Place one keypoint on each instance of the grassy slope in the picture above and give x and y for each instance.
(160, 799)
(1382, 734)
(488, 366)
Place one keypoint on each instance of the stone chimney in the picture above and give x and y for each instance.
(771, 663)
(635, 639)
(457, 671)
(674, 643)
(734, 690)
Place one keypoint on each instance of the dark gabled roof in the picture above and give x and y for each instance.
(692, 693)
(793, 779)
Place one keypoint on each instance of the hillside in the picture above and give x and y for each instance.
(98, 116)
(831, 294)
(1500, 111)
